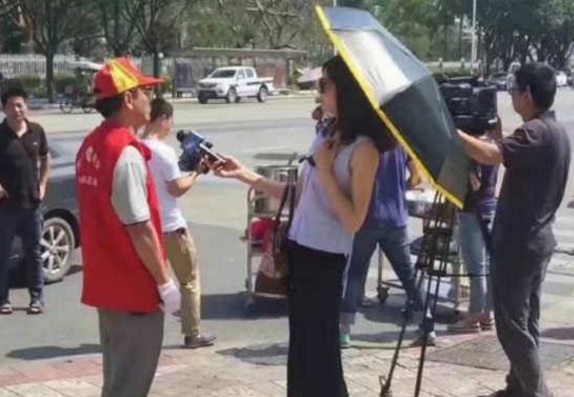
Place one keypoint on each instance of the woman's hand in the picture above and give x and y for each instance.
(325, 156)
(230, 168)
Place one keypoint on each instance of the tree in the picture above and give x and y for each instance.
(119, 19)
(509, 33)
(156, 23)
(10, 31)
(279, 22)
(53, 22)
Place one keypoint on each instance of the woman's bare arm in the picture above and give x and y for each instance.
(352, 212)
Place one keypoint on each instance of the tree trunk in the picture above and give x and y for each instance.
(157, 72)
(119, 50)
(460, 37)
(445, 43)
(156, 64)
(50, 76)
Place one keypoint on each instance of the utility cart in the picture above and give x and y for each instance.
(419, 204)
(261, 211)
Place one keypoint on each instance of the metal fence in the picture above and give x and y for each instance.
(13, 66)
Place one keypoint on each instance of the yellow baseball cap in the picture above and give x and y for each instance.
(118, 76)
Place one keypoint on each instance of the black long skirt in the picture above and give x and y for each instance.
(315, 289)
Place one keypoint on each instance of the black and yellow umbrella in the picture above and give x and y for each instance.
(403, 93)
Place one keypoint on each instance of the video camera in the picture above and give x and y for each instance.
(472, 104)
(194, 148)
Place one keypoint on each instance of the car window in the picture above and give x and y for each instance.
(223, 73)
(240, 74)
(250, 73)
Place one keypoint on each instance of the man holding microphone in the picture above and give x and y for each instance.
(170, 184)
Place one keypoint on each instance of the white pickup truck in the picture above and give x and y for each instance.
(233, 83)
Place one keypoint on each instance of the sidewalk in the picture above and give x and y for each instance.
(259, 371)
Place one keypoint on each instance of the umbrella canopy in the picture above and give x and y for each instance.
(404, 94)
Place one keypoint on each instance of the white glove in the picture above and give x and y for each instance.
(171, 297)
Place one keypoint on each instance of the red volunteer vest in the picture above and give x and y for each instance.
(114, 277)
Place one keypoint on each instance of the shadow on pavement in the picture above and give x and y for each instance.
(378, 338)
(18, 276)
(276, 353)
(562, 333)
(47, 352)
(234, 307)
(264, 354)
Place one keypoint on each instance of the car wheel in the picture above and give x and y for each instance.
(262, 94)
(202, 99)
(231, 95)
(57, 246)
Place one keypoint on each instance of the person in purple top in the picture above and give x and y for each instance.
(475, 224)
(385, 225)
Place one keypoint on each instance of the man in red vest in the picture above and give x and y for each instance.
(125, 274)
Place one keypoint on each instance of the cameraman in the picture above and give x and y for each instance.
(537, 160)
(180, 249)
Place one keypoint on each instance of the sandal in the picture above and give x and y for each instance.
(6, 309)
(487, 324)
(35, 308)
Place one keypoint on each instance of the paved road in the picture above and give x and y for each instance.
(216, 211)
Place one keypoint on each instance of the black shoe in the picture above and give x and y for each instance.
(201, 340)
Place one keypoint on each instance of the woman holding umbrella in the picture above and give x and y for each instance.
(333, 198)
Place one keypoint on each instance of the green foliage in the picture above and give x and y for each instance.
(33, 85)
(61, 82)
(508, 30)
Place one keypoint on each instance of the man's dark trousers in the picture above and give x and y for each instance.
(517, 282)
(27, 224)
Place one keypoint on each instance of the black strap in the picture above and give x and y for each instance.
(292, 196)
(288, 193)
(284, 197)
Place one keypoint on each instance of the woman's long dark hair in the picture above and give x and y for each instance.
(355, 116)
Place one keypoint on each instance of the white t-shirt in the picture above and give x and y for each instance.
(164, 168)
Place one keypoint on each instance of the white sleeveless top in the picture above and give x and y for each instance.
(315, 224)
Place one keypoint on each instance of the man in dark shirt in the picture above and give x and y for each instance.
(537, 160)
(24, 167)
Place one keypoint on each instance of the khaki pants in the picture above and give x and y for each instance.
(181, 254)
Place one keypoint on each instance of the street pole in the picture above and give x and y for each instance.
(474, 49)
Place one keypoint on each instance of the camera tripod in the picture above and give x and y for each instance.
(432, 262)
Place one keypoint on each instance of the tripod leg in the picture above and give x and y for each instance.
(428, 321)
(407, 316)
